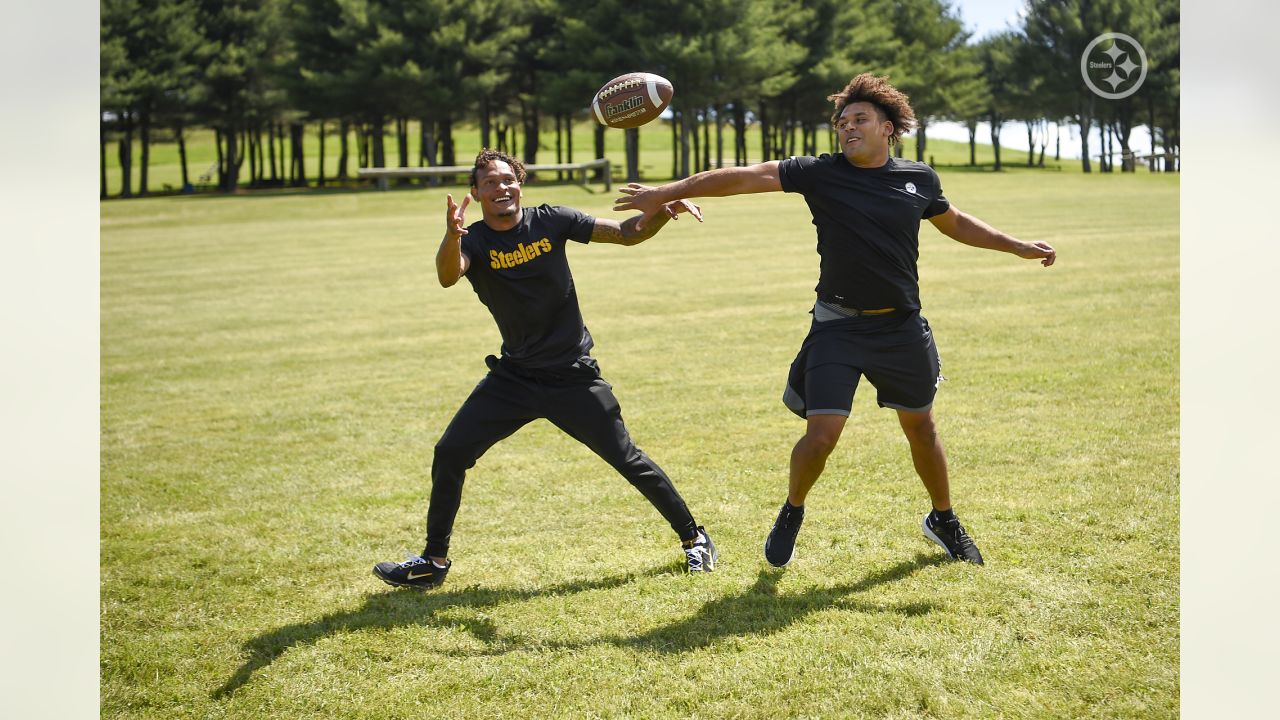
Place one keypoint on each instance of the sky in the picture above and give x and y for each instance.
(984, 17)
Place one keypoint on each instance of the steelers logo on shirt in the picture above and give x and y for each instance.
(911, 188)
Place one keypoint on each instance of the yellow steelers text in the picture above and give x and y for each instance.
(522, 254)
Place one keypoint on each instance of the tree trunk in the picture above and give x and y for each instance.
(1104, 133)
(568, 131)
(766, 152)
(126, 157)
(280, 146)
(996, 122)
(973, 143)
(484, 124)
(1031, 144)
(1057, 142)
(695, 164)
(633, 154)
(343, 129)
(706, 139)
(379, 142)
(254, 173)
(531, 129)
(446, 135)
(144, 135)
(921, 140)
(222, 169)
(271, 150)
(291, 175)
(739, 134)
(299, 153)
(1085, 122)
(102, 158)
(684, 146)
(559, 145)
(402, 141)
(599, 140)
(232, 177)
(719, 136)
(675, 144)
(320, 172)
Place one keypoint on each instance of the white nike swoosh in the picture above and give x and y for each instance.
(411, 576)
(905, 192)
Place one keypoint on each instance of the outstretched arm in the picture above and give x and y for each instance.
(965, 228)
(629, 232)
(451, 262)
(761, 177)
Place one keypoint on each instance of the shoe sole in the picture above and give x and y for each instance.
(411, 586)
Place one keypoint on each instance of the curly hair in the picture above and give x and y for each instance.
(889, 100)
(487, 156)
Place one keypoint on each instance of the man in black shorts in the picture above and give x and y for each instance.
(867, 207)
(515, 260)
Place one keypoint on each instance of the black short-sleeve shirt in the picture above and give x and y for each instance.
(868, 222)
(522, 276)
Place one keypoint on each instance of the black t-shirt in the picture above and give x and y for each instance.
(522, 276)
(868, 222)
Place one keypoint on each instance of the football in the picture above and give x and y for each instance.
(631, 100)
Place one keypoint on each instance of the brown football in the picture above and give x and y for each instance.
(631, 100)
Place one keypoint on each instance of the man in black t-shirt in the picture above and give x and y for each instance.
(515, 261)
(867, 208)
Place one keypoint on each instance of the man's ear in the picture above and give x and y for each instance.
(474, 196)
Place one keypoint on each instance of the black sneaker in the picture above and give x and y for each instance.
(416, 572)
(950, 534)
(781, 543)
(700, 553)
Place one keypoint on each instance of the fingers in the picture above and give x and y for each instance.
(694, 210)
(466, 200)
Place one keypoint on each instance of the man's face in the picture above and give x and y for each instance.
(863, 132)
(497, 190)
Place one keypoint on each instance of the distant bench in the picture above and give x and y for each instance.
(384, 175)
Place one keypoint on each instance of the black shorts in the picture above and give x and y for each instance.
(895, 352)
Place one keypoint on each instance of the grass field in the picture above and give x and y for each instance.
(277, 367)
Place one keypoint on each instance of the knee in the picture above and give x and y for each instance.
(453, 455)
(921, 431)
(820, 442)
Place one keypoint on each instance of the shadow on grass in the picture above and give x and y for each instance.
(402, 608)
(759, 610)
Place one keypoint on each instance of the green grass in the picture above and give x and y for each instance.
(276, 369)
(655, 153)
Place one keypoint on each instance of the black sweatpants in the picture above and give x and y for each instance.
(576, 400)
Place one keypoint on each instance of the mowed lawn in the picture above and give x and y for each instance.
(276, 369)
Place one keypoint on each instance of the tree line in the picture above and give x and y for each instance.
(259, 72)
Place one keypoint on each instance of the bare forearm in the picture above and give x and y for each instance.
(723, 182)
(973, 231)
(449, 260)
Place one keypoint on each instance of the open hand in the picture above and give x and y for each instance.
(454, 216)
(639, 197)
(675, 208)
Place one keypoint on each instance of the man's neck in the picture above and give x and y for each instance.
(880, 160)
(502, 223)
